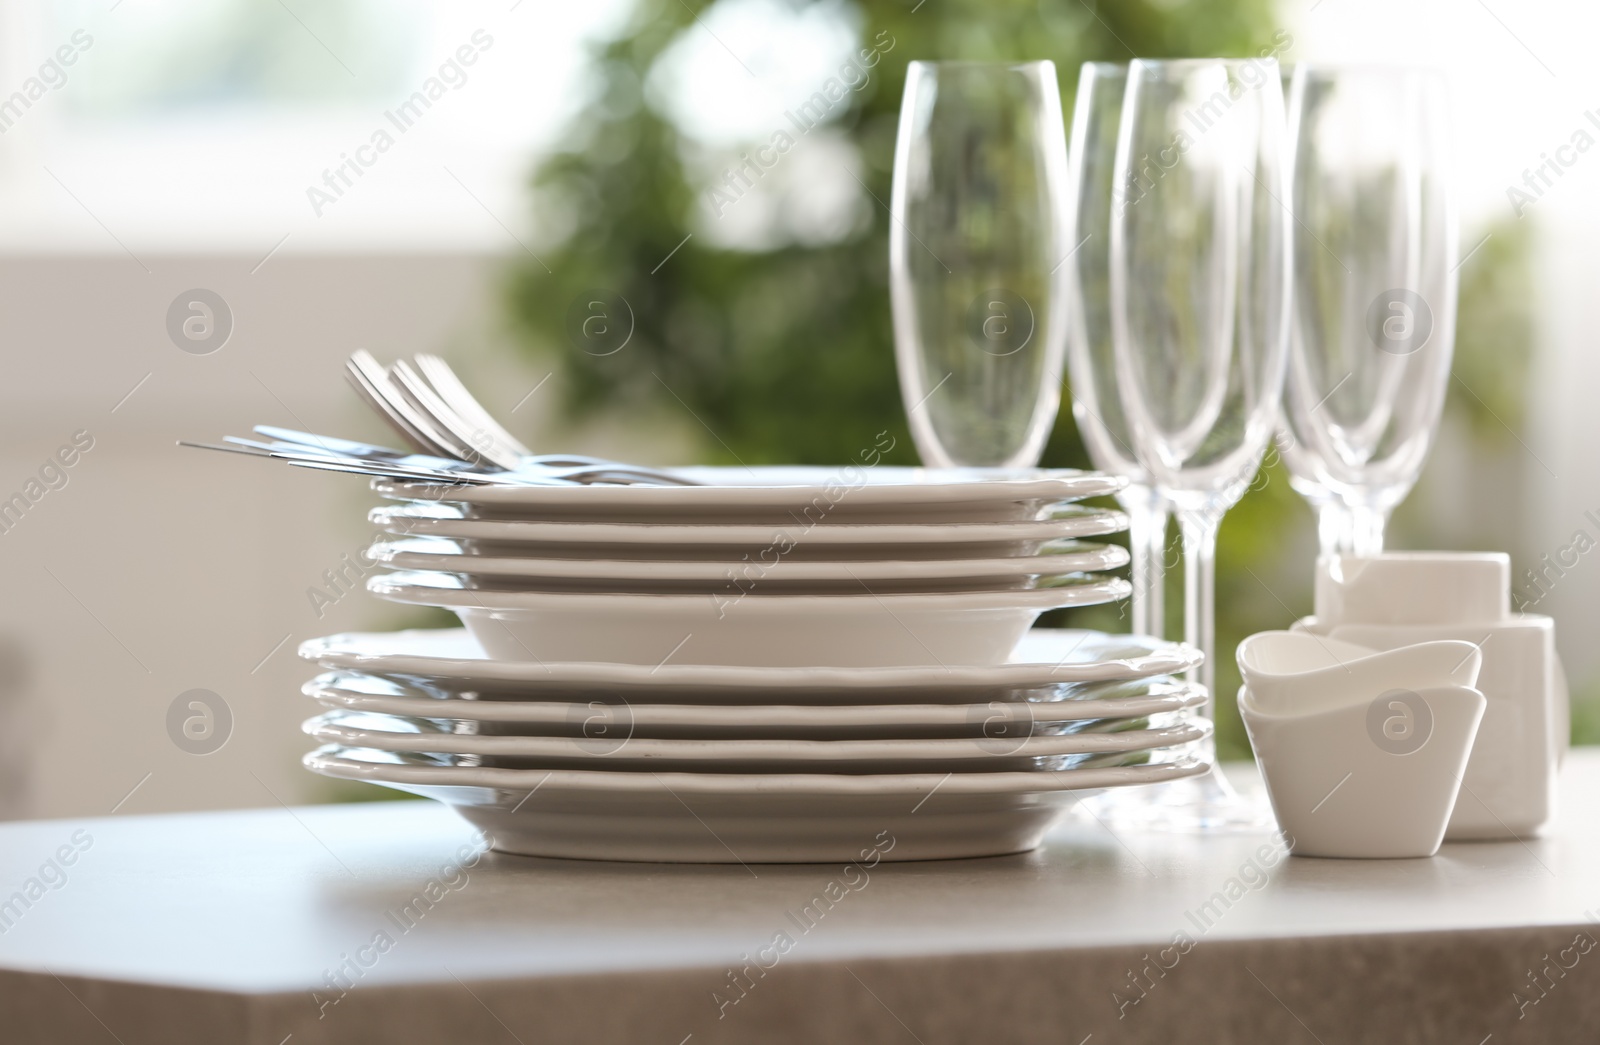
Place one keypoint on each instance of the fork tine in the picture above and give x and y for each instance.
(479, 443)
(451, 388)
(372, 381)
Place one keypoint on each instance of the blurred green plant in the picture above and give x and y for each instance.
(1494, 331)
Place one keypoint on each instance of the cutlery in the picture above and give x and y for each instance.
(429, 468)
(376, 468)
(351, 448)
(403, 398)
(423, 461)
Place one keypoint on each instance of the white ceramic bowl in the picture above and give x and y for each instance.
(1295, 671)
(1375, 778)
(776, 630)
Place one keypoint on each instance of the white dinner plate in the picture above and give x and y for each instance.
(449, 660)
(535, 717)
(739, 574)
(615, 749)
(907, 539)
(865, 629)
(745, 818)
(785, 493)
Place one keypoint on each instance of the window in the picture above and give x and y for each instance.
(236, 125)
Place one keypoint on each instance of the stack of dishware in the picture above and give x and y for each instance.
(771, 664)
(753, 567)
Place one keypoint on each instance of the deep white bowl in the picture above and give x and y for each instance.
(776, 630)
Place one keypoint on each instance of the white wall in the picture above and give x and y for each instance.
(158, 569)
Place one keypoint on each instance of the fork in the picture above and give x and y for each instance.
(351, 448)
(416, 467)
(454, 392)
(420, 413)
(372, 381)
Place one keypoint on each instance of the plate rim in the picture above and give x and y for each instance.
(396, 587)
(1169, 659)
(822, 752)
(754, 784)
(1059, 484)
(1104, 556)
(401, 520)
(831, 716)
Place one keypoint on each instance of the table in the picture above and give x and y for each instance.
(365, 923)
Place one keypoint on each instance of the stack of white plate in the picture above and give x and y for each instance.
(777, 665)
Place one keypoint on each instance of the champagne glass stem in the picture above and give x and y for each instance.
(1333, 528)
(1147, 541)
(1200, 631)
(1366, 530)
(1199, 595)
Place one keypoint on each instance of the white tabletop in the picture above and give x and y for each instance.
(224, 927)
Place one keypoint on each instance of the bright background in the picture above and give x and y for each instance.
(178, 154)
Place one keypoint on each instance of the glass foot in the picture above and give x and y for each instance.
(1201, 804)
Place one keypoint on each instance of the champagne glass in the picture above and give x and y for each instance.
(1200, 278)
(1373, 326)
(1090, 359)
(974, 250)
